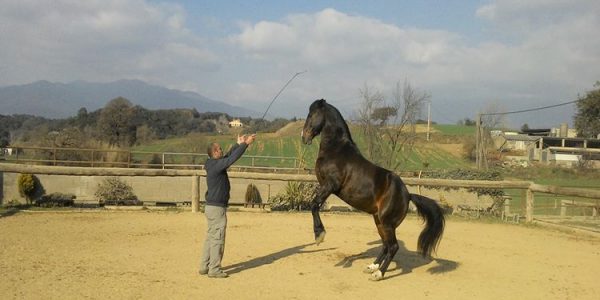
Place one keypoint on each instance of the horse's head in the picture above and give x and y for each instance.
(314, 121)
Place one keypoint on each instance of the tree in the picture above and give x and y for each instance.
(115, 123)
(489, 120)
(390, 130)
(4, 137)
(371, 100)
(383, 114)
(525, 127)
(587, 118)
(466, 122)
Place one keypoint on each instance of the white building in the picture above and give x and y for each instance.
(236, 123)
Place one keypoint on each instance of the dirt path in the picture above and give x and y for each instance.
(154, 255)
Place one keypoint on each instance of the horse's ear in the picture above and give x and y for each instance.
(318, 104)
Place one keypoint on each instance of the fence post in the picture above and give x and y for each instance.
(195, 193)
(529, 205)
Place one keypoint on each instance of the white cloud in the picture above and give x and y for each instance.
(342, 52)
(97, 41)
(537, 52)
(330, 37)
(534, 52)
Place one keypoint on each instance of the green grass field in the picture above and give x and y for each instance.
(424, 156)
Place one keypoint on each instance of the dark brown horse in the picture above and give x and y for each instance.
(343, 171)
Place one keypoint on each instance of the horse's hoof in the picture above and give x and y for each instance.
(376, 276)
(319, 239)
(371, 268)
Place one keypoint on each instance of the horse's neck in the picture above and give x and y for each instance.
(334, 133)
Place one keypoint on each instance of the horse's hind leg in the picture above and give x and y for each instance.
(391, 244)
(384, 249)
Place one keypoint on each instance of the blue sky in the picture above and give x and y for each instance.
(471, 56)
(456, 16)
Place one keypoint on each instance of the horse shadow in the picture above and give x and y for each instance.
(269, 259)
(404, 259)
(9, 212)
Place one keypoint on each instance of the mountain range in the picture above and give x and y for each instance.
(61, 100)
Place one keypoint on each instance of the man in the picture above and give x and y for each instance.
(217, 200)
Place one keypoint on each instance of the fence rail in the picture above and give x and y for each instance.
(100, 158)
(82, 157)
(530, 188)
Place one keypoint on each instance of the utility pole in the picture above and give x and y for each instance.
(428, 118)
(477, 141)
(480, 145)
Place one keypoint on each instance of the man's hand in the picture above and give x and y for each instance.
(250, 139)
(241, 139)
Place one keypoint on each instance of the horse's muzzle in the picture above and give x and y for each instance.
(306, 137)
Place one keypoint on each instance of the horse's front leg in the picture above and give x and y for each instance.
(316, 205)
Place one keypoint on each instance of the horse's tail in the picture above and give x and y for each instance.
(434, 216)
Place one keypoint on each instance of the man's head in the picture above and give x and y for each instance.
(214, 151)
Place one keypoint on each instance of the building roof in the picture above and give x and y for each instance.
(521, 137)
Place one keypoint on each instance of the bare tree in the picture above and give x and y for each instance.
(390, 129)
(400, 134)
(370, 102)
(490, 119)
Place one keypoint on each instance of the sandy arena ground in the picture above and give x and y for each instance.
(154, 255)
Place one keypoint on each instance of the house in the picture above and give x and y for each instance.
(236, 123)
(566, 151)
(557, 146)
(515, 142)
(7, 151)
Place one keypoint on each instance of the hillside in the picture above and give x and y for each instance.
(443, 154)
(61, 100)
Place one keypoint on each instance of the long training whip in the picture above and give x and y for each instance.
(279, 93)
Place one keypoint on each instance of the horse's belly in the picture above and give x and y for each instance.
(359, 201)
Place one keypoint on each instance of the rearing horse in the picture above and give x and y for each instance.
(343, 171)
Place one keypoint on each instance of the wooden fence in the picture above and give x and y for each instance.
(56, 156)
(195, 175)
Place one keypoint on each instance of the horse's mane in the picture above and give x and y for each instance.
(339, 121)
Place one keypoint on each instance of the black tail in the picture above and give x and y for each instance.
(434, 216)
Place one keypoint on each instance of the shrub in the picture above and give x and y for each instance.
(155, 162)
(113, 189)
(12, 203)
(297, 196)
(470, 149)
(465, 174)
(252, 195)
(55, 199)
(27, 186)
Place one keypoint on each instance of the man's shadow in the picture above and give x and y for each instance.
(405, 260)
(269, 259)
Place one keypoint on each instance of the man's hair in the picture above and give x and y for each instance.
(209, 150)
